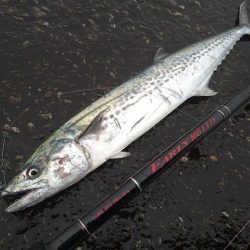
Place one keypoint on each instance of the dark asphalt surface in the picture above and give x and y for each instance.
(49, 49)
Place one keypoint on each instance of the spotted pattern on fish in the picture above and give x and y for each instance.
(163, 74)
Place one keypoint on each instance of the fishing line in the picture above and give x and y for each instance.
(2, 159)
(4, 140)
(189, 115)
(59, 94)
(242, 229)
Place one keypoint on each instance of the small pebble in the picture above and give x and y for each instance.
(67, 101)
(19, 157)
(16, 130)
(213, 158)
(47, 116)
(7, 126)
(26, 44)
(184, 159)
(226, 214)
(31, 125)
(38, 12)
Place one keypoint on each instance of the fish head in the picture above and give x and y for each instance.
(52, 168)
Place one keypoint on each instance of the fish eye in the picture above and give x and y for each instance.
(33, 171)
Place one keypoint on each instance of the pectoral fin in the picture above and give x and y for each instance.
(120, 155)
(96, 125)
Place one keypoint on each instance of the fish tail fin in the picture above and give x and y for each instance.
(243, 17)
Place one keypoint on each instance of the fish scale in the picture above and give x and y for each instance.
(106, 127)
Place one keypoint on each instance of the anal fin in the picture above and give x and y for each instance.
(120, 155)
(204, 90)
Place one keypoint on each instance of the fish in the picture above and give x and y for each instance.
(105, 128)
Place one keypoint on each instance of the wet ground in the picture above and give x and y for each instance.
(51, 49)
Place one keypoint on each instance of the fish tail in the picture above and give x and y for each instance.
(243, 17)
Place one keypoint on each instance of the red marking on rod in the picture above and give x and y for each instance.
(153, 167)
(112, 203)
(192, 136)
(185, 142)
(166, 159)
(206, 125)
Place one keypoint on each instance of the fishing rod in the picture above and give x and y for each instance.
(92, 220)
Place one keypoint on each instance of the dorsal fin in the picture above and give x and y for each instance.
(160, 54)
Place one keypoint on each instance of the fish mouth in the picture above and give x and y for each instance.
(30, 198)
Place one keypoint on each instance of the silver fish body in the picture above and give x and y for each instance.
(156, 92)
(106, 127)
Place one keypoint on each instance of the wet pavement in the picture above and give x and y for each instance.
(59, 56)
